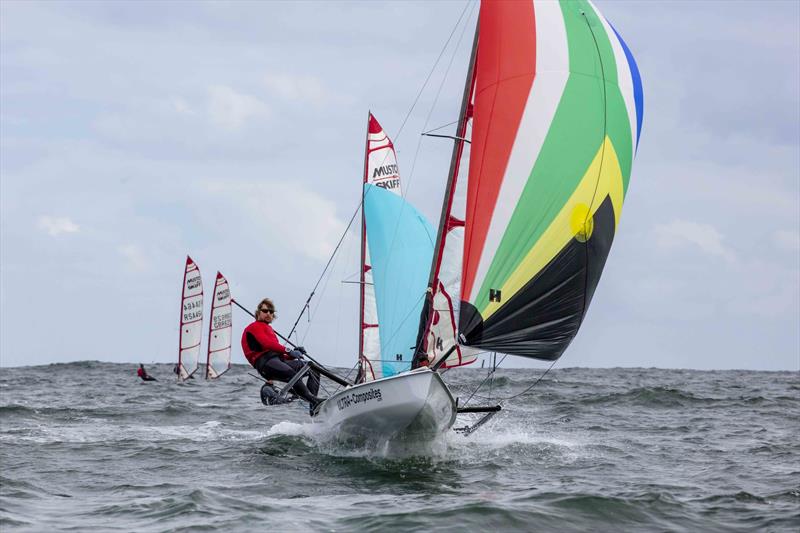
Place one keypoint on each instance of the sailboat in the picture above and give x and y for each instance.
(191, 321)
(220, 328)
(550, 120)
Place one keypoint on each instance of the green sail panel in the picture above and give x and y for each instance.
(550, 167)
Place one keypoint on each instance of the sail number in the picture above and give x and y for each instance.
(222, 321)
(192, 310)
(195, 315)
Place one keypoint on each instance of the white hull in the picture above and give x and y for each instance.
(412, 406)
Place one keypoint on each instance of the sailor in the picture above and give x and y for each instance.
(142, 373)
(272, 359)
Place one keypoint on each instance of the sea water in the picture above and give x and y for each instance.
(89, 446)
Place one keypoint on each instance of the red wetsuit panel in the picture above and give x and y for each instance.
(262, 340)
(140, 373)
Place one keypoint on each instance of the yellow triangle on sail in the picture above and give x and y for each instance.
(575, 220)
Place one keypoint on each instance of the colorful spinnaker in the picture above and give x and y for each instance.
(219, 330)
(191, 320)
(556, 112)
(380, 170)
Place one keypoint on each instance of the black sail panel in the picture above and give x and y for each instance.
(542, 319)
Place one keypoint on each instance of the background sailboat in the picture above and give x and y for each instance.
(191, 321)
(220, 328)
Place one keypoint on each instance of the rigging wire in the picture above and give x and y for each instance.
(323, 272)
(313, 313)
(440, 127)
(433, 69)
(436, 98)
(396, 228)
(419, 140)
(396, 137)
(504, 400)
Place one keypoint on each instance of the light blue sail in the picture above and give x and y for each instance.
(401, 244)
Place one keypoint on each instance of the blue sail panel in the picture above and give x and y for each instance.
(401, 244)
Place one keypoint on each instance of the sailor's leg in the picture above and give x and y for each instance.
(300, 388)
(313, 381)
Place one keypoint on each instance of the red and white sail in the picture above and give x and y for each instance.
(219, 330)
(380, 169)
(191, 320)
(442, 333)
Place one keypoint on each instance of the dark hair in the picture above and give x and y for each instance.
(267, 302)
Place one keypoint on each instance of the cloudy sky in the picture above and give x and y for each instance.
(134, 133)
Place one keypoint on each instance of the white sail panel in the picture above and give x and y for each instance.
(219, 330)
(380, 168)
(191, 320)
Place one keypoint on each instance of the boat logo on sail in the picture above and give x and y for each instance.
(223, 295)
(385, 170)
(193, 283)
(386, 176)
(358, 397)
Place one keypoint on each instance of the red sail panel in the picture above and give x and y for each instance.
(505, 68)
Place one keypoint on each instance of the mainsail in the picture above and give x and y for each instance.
(557, 113)
(219, 330)
(401, 242)
(438, 333)
(191, 320)
(380, 170)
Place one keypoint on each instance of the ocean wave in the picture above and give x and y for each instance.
(662, 397)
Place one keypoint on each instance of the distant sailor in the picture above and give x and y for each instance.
(142, 373)
(272, 359)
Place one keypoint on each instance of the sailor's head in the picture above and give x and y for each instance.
(265, 312)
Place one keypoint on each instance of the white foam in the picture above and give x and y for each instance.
(209, 431)
(291, 429)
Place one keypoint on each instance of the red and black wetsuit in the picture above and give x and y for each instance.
(258, 339)
(262, 350)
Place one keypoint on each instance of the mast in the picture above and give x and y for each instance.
(447, 203)
(362, 265)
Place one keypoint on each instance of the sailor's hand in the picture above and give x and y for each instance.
(295, 354)
(301, 350)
